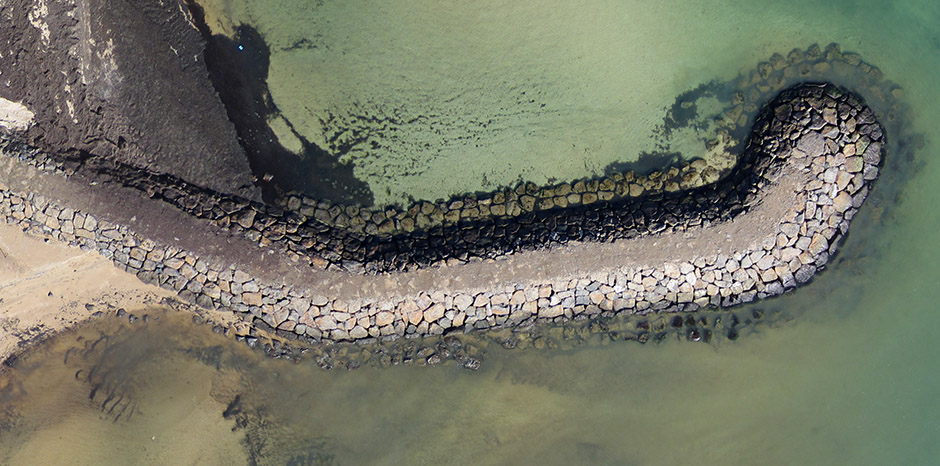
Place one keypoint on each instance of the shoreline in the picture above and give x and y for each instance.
(48, 287)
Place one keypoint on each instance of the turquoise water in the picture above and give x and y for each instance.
(848, 376)
(429, 100)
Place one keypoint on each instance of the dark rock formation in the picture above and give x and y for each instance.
(123, 81)
(820, 134)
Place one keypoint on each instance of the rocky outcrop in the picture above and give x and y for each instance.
(123, 81)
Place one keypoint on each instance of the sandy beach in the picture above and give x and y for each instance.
(46, 287)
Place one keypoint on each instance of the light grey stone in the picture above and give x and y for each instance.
(812, 144)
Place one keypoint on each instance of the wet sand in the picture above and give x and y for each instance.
(111, 403)
(47, 286)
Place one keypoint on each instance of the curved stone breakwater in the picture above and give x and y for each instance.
(806, 170)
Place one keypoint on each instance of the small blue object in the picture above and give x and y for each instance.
(241, 47)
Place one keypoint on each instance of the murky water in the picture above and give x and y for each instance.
(846, 374)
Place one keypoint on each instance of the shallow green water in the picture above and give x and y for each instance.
(429, 100)
(849, 377)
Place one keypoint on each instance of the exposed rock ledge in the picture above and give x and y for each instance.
(808, 166)
(123, 81)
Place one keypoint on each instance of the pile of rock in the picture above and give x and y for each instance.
(815, 129)
(507, 203)
(752, 90)
(488, 226)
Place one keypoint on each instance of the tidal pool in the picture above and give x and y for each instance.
(847, 375)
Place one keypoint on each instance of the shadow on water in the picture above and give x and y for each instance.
(714, 113)
(646, 163)
(238, 68)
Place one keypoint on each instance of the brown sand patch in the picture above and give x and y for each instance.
(45, 286)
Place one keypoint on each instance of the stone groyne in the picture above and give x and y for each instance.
(767, 226)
